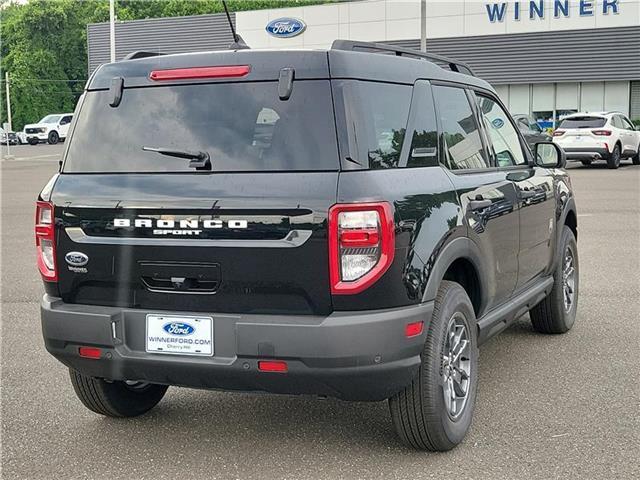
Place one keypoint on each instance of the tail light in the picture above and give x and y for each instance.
(558, 133)
(601, 133)
(45, 241)
(361, 245)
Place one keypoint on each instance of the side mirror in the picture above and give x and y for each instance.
(549, 155)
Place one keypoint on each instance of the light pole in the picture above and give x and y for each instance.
(112, 29)
(423, 25)
(10, 129)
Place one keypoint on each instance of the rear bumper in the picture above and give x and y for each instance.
(349, 355)
(594, 153)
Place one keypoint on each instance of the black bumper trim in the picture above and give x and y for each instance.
(350, 355)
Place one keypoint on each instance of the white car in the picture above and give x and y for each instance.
(51, 128)
(587, 137)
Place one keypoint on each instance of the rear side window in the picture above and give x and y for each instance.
(462, 143)
(241, 126)
(375, 121)
(583, 122)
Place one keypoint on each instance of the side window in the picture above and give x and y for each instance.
(523, 125)
(460, 134)
(616, 122)
(424, 140)
(504, 137)
(375, 119)
(626, 124)
(65, 120)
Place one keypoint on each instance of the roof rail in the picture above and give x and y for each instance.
(351, 45)
(142, 54)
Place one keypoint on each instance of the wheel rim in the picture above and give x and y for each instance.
(568, 279)
(456, 366)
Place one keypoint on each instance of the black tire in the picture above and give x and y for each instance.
(116, 399)
(552, 315)
(53, 138)
(33, 141)
(636, 158)
(614, 159)
(419, 413)
(586, 163)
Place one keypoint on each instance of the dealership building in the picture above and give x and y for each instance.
(547, 58)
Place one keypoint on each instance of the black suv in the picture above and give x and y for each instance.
(350, 223)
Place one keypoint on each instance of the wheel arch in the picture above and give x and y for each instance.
(459, 261)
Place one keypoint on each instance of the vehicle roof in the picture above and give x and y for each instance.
(266, 65)
(594, 114)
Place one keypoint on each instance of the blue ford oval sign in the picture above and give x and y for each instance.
(76, 259)
(498, 122)
(285, 27)
(178, 328)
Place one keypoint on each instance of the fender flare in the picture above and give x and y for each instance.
(458, 248)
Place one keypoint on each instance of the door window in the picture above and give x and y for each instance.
(626, 124)
(65, 120)
(460, 134)
(502, 134)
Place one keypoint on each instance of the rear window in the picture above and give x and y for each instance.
(583, 122)
(241, 126)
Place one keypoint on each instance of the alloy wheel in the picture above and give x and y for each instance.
(568, 279)
(456, 366)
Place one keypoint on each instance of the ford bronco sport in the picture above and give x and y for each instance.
(352, 222)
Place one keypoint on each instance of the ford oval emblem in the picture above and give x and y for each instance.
(178, 328)
(76, 259)
(285, 27)
(498, 122)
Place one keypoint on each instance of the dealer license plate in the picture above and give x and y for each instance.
(179, 335)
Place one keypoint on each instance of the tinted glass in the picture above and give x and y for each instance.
(626, 124)
(242, 126)
(50, 119)
(375, 119)
(583, 122)
(502, 134)
(459, 129)
(424, 140)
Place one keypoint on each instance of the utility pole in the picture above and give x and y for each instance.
(10, 129)
(112, 29)
(423, 25)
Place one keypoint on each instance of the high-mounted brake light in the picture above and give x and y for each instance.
(601, 133)
(225, 71)
(361, 245)
(45, 241)
(558, 133)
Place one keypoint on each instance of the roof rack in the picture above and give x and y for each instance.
(142, 54)
(350, 45)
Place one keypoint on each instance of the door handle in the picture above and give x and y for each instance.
(479, 204)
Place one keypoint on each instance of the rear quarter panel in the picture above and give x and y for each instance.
(427, 217)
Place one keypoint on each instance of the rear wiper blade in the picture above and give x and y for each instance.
(199, 160)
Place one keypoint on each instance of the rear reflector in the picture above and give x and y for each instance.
(272, 366)
(89, 352)
(413, 329)
(226, 71)
(601, 133)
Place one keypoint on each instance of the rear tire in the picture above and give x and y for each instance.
(53, 138)
(636, 158)
(33, 141)
(116, 399)
(557, 312)
(423, 417)
(586, 163)
(614, 159)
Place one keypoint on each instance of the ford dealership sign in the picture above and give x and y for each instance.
(285, 27)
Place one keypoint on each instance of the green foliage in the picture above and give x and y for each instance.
(47, 40)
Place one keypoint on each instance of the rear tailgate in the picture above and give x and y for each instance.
(247, 236)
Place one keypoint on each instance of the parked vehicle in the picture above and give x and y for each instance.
(22, 137)
(301, 223)
(530, 129)
(51, 129)
(609, 136)
(9, 138)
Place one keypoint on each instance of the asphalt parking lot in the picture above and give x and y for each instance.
(548, 406)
